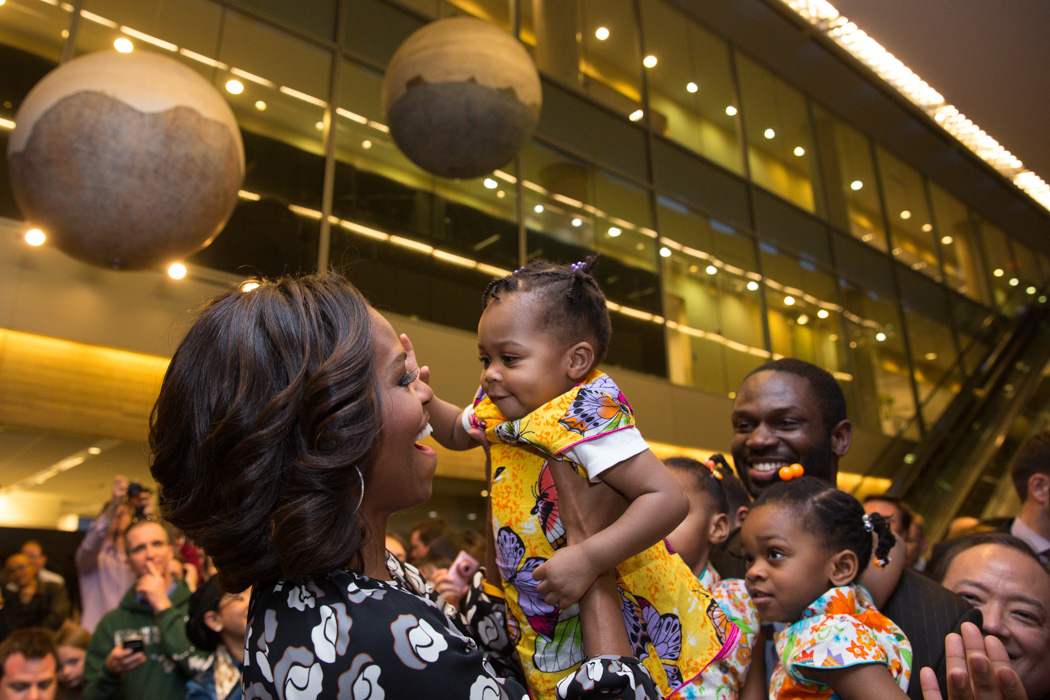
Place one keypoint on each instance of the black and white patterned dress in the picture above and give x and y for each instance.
(347, 636)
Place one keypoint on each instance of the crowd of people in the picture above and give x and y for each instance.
(288, 430)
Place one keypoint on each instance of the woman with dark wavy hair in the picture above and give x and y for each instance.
(286, 433)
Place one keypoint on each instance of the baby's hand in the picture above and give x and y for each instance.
(565, 577)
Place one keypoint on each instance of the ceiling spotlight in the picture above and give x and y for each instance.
(710, 269)
(1014, 282)
(176, 271)
(692, 87)
(731, 110)
(1030, 290)
(856, 185)
(260, 105)
(927, 227)
(614, 231)
(665, 252)
(649, 61)
(789, 301)
(94, 450)
(880, 336)
(823, 313)
(319, 126)
(905, 214)
(752, 286)
(998, 272)
(123, 45)
(577, 222)
(802, 320)
(35, 237)
(366, 144)
(602, 33)
(234, 86)
(769, 133)
(500, 194)
(931, 356)
(491, 184)
(799, 151)
(947, 240)
(538, 208)
(636, 115)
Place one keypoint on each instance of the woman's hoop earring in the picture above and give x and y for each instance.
(360, 498)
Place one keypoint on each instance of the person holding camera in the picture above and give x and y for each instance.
(102, 565)
(141, 649)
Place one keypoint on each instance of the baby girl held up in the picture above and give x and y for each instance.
(543, 332)
(807, 543)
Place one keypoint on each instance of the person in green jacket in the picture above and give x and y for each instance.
(140, 650)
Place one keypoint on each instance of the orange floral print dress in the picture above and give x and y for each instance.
(673, 623)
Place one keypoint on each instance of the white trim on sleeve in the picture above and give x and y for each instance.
(606, 451)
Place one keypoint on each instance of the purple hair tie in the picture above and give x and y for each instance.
(578, 266)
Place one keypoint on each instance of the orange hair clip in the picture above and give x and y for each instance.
(791, 472)
(710, 464)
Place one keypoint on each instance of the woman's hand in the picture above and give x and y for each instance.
(978, 669)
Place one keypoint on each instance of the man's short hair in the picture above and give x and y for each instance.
(1033, 457)
(831, 402)
(939, 569)
(905, 512)
(31, 642)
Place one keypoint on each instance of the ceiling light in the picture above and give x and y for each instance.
(927, 227)
(602, 33)
(752, 286)
(880, 336)
(366, 144)
(500, 194)
(490, 184)
(636, 115)
(947, 240)
(249, 286)
(823, 313)
(1030, 290)
(731, 110)
(931, 356)
(1014, 282)
(905, 214)
(123, 45)
(94, 450)
(799, 151)
(538, 208)
(176, 271)
(614, 231)
(692, 87)
(577, 222)
(789, 301)
(867, 237)
(665, 252)
(856, 185)
(803, 320)
(35, 237)
(234, 86)
(649, 61)
(710, 269)
(319, 126)
(769, 133)
(897, 251)
(260, 105)
(997, 272)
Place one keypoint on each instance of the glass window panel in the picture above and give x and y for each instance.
(710, 298)
(933, 359)
(31, 38)
(567, 45)
(849, 174)
(375, 29)
(791, 228)
(804, 316)
(416, 244)
(691, 87)
(881, 376)
(780, 149)
(864, 265)
(1000, 264)
(191, 25)
(317, 16)
(703, 185)
(1027, 267)
(494, 11)
(954, 232)
(911, 227)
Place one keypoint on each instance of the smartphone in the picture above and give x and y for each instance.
(134, 644)
(462, 569)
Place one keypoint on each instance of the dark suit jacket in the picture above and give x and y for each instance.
(927, 612)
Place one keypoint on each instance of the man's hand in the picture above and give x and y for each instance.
(154, 587)
(978, 668)
(566, 576)
(121, 660)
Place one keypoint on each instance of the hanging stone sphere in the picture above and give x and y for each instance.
(126, 160)
(461, 97)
